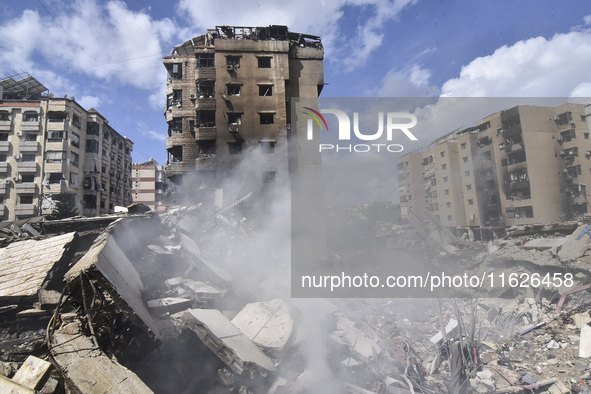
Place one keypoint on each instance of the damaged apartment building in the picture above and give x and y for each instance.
(228, 98)
(51, 145)
(524, 165)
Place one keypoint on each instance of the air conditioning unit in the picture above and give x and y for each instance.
(16, 178)
(6, 181)
(192, 96)
(231, 67)
(17, 156)
(19, 133)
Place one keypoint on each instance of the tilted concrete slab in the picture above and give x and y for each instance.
(577, 244)
(268, 324)
(545, 243)
(87, 369)
(227, 341)
(365, 348)
(24, 265)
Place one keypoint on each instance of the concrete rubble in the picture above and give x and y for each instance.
(189, 301)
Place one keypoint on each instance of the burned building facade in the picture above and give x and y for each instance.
(228, 96)
(51, 145)
(524, 165)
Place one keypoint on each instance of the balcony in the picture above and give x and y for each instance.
(26, 188)
(517, 166)
(205, 103)
(25, 210)
(511, 131)
(5, 125)
(205, 73)
(3, 167)
(206, 162)
(30, 125)
(514, 148)
(205, 133)
(3, 187)
(28, 147)
(27, 167)
(4, 146)
(57, 125)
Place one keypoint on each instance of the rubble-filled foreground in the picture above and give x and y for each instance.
(190, 303)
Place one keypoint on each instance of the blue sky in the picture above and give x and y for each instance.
(108, 53)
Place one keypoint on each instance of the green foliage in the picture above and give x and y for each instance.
(65, 206)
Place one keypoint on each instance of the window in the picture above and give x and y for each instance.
(267, 146)
(106, 135)
(75, 140)
(29, 157)
(2, 157)
(3, 136)
(174, 70)
(269, 176)
(446, 192)
(449, 218)
(4, 115)
(76, 121)
(175, 154)
(465, 159)
(568, 135)
(93, 128)
(28, 178)
(92, 146)
(444, 179)
(235, 147)
(267, 118)
(73, 180)
(30, 137)
(206, 118)
(436, 206)
(30, 116)
(434, 194)
(564, 118)
(205, 60)
(234, 118)
(586, 135)
(205, 89)
(74, 158)
(468, 187)
(264, 62)
(442, 154)
(55, 156)
(26, 199)
(448, 204)
(265, 90)
(104, 169)
(470, 201)
(466, 173)
(233, 61)
(233, 90)
(463, 145)
(55, 135)
(54, 177)
(443, 166)
(175, 126)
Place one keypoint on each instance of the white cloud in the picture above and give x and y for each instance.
(411, 82)
(536, 67)
(111, 43)
(155, 135)
(305, 16)
(89, 102)
(587, 19)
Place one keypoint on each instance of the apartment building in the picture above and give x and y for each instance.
(53, 145)
(149, 183)
(528, 164)
(228, 98)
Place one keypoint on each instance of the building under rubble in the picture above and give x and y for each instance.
(51, 145)
(228, 96)
(524, 165)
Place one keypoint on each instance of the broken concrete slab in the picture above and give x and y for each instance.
(545, 243)
(32, 373)
(585, 342)
(25, 265)
(87, 369)
(268, 324)
(12, 387)
(202, 292)
(451, 330)
(227, 341)
(577, 244)
(169, 305)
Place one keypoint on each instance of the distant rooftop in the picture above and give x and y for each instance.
(22, 86)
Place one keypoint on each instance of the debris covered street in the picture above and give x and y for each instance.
(186, 301)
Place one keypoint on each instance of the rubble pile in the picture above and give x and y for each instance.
(191, 301)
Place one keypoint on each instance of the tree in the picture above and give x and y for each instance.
(66, 206)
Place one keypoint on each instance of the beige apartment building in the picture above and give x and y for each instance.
(228, 106)
(53, 145)
(525, 165)
(149, 183)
